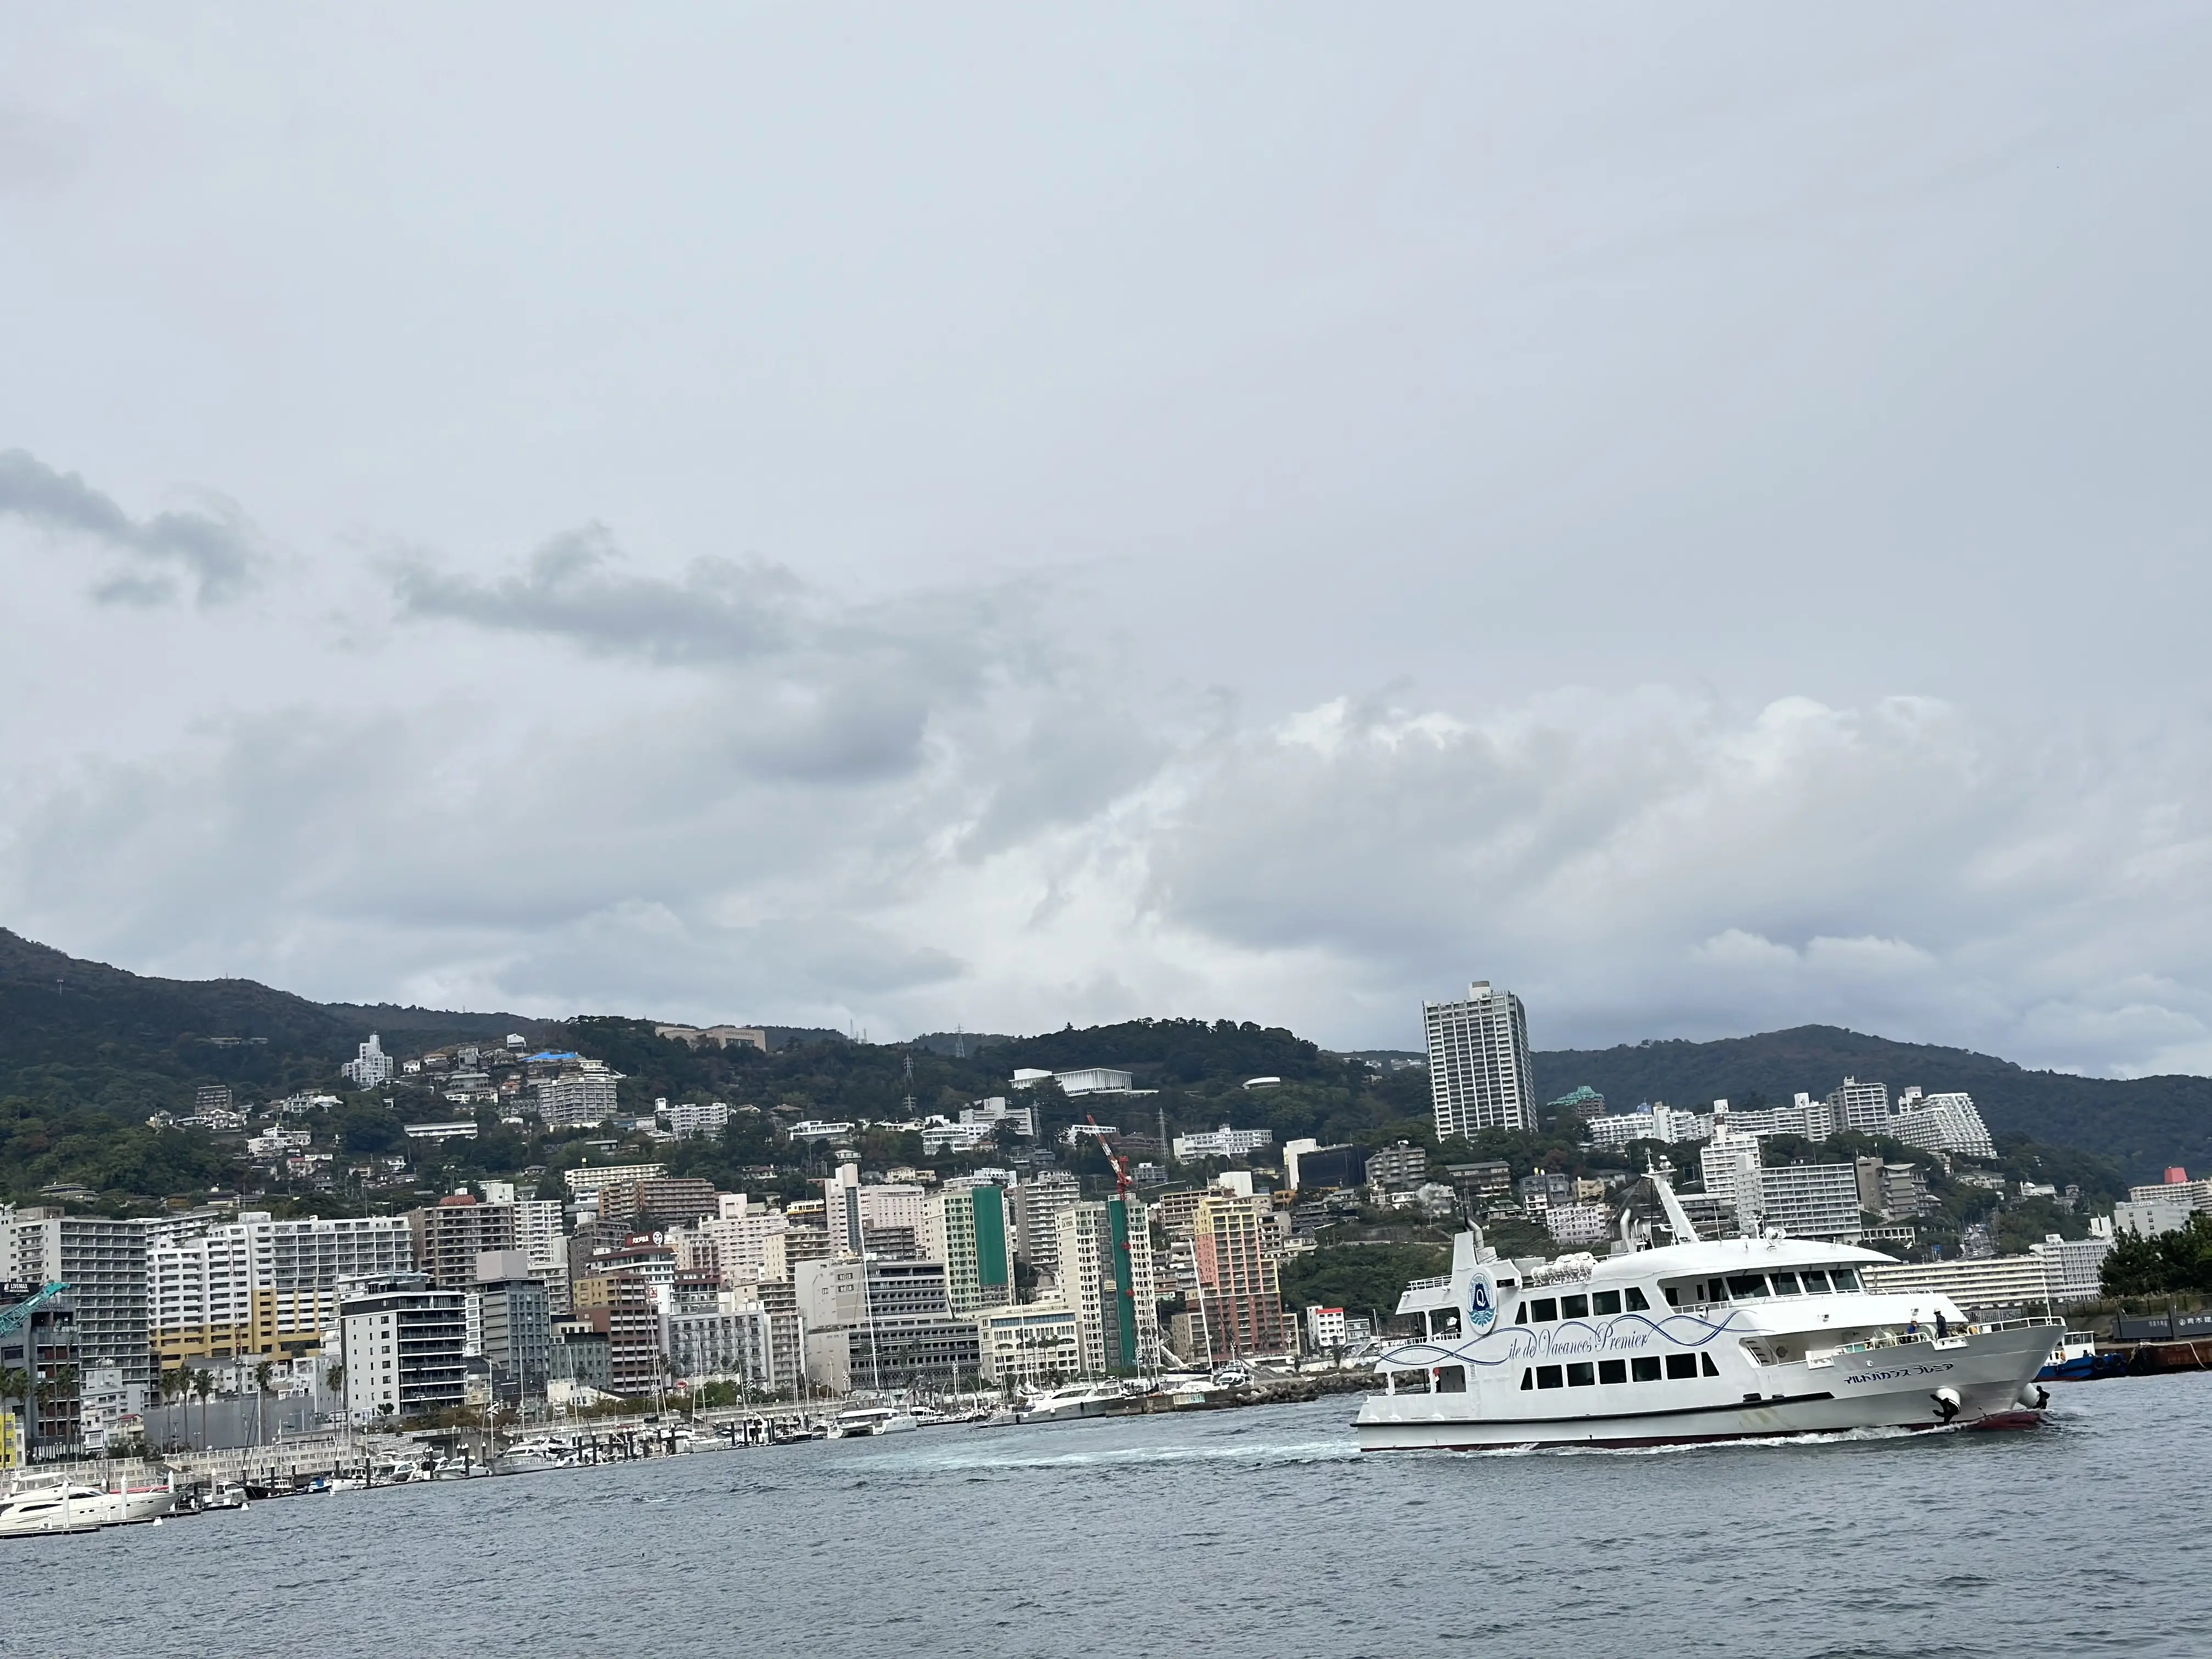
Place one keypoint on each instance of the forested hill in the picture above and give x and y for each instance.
(2142, 1123)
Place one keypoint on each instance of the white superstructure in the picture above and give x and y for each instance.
(1697, 1341)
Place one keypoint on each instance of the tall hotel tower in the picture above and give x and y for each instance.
(1478, 1076)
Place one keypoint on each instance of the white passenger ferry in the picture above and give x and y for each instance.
(1695, 1341)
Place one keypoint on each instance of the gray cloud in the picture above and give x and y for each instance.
(219, 553)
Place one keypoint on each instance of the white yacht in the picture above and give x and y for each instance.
(1695, 1341)
(1073, 1402)
(52, 1505)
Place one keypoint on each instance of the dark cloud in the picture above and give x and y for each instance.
(219, 553)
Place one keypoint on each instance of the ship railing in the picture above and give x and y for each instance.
(1439, 1282)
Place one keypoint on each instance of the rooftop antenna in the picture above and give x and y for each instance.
(909, 1083)
(960, 1042)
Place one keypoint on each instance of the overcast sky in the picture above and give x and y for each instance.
(1010, 516)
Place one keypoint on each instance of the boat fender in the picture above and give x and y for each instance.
(1947, 1403)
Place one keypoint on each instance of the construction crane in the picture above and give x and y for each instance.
(12, 1318)
(1122, 1182)
(1120, 1223)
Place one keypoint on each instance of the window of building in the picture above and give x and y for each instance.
(1583, 1375)
(1645, 1368)
(1679, 1365)
(1544, 1309)
(1605, 1303)
(1613, 1371)
(1550, 1376)
(1574, 1307)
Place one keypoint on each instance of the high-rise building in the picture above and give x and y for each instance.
(1106, 1277)
(257, 1286)
(404, 1346)
(578, 1099)
(369, 1066)
(515, 1324)
(1941, 1123)
(883, 1325)
(969, 1229)
(1862, 1107)
(653, 1202)
(452, 1233)
(1479, 1071)
(103, 1262)
(1239, 1286)
(1039, 1202)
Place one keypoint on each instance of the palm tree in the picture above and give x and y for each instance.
(202, 1385)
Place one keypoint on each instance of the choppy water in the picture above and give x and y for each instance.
(1237, 1533)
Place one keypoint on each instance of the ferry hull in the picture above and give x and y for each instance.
(1991, 1376)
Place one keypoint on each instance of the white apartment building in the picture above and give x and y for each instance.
(1811, 1201)
(1326, 1330)
(733, 1342)
(588, 1180)
(2057, 1273)
(1941, 1123)
(578, 1099)
(1039, 1202)
(1577, 1225)
(1021, 1120)
(690, 1120)
(2164, 1208)
(103, 1261)
(370, 1066)
(1479, 1070)
(734, 1240)
(258, 1285)
(1863, 1107)
(1659, 1122)
(1223, 1142)
(1037, 1345)
(404, 1349)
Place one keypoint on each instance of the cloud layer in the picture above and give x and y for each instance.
(218, 553)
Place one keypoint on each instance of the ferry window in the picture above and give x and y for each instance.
(1644, 1369)
(1613, 1371)
(1815, 1283)
(1444, 1322)
(1550, 1376)
(1528, 1378)
(1636, 1302)
(1521, 1315)
(1784, 1283)
(1451, 1379)
(1574, 1307)
(1706, 1360)
(1413, 1382)
(1844, 1279)
(1679, 1365)
(1582, 1376)
(1672, 1300)
(1605, 1301)
(1743, 1284)
(1544, 1309)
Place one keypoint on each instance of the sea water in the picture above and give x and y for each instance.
(1254, 1532)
